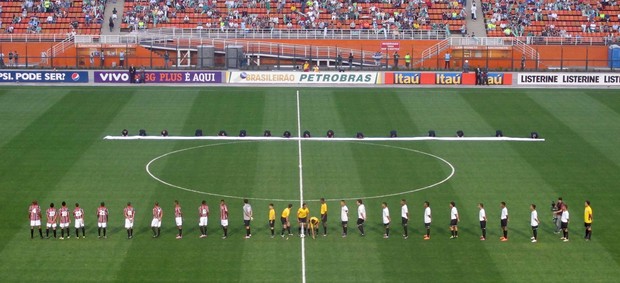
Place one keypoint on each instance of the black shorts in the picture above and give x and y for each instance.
(427, 225)
(345, 223)
(302, 220)
(360, 221)
(283, 220)
(534, 227)
(271, 223)
(587, 225)
(504, 222)
(246, 223)
(564, 225)
(404, 220)
(483, 224)
(454, 222)
(324, 218)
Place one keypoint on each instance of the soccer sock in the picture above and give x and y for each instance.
(180, 232)
(535, 234)
(104, 231)
(83, 231)
(128, 233)
(456, 233)
(54, 233)
(451, 231)
(99, 231)
(345, 229)
(484, 233)
(225, 232)
(566, 234)
(62, 232)
(288, 229)
(154, 231)
(506, 234)
(31, 232)
(40, 232)
(362, 229)
(272, 231)
(131, 231)
(586, 236)
(387, 231)
(282, 233)
(249, 232)
(406, 231)
(428, 232)
(47, 232)
(589, 234)
(205, 230)
(158, 231)
(324, 230)
(77, 232)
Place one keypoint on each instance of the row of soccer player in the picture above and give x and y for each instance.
(307, 224)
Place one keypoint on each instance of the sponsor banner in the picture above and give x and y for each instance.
(161, 77)
(419, 78)
(43, 77)
(390, 46)
(579, 79)
(303, 77)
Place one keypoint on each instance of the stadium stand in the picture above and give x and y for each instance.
(552, 18)
(52, 17)
(385, 16)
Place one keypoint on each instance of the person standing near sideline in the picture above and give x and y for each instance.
(404, 215)
(564, 219)
(284, 219)
(386, 219)
(534, 222)
(166, 59)
(121, 59)
(350, 60)
(34, 215)
(52, 219)
(407, 61)
(102, 220)
(361, 216)
(324, 216)
(247, 217)
(130, 215)
(504, 221)
(178, 219)
(224, 218)
(427, 220)
(454, 221)
(446, 58)
(272, 219)
(78, 216)
(482, 216)
(203, 218)
(396, 57)
(587, 218)
(158, 214)
(65, 220)
(344, 217)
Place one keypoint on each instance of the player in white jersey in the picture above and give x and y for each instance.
(361, 216)
(386, 219)
(247, 217)
(564, 218)
(504, 221)
(52, 219)
(344, 217)
(78, 216)
(178, 219)
(427, 220)
(34, 215)
(534, 222)
(130, 214)
(158, 213)
(203, 220)
(482, 217)
(102, 220)
(454, 221)
(404, 215)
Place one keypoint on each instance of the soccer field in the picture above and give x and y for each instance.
(52, 150)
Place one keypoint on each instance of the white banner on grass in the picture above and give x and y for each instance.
(263, 77)
(568, 79)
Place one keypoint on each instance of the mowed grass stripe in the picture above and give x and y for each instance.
(557, 178)
(57, 140)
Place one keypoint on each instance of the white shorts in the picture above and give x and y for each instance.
(64, 225)
(224, 222)
(102, 225)
(51, 225)
(203, 221)
(128, 224)
(35, 223)
(178, 221)
(79, 223)
(156, 223)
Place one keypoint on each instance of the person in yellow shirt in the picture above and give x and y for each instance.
(286, 225)
(302, 217)
(272, 218)
(587, 218)
(324, 216)
(314, 226)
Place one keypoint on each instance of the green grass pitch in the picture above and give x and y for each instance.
(52, 149)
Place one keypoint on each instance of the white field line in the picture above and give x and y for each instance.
(324, 139)
(301, 191)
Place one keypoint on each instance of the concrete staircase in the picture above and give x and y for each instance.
(477, 27)
(109, 8)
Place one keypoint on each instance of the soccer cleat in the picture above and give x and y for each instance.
(504, 240)
(62, 238)
(282, 235)
(501, 238)
(83, 237)
(98, 237)
(451, 237)
(565, 240)
(562, 238)
(224, 237)
(428, 238)
(344, 235)
(179, 237)
(534, 241)
(362, 235)
(105, 237)
(202, 236)
(532, 238)
(406, 237)
(386, 237)
(272, 236)
(324, 235)
(247, 237)
(483, 239)
(290, 234)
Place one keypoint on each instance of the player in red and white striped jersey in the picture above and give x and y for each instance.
(130, 214)
(34, 215)
(178, 218)
(65, 219)
(224, 218)
(78, 216)
(102, 220)
(52, 219)
(203, 213)
(158, 213)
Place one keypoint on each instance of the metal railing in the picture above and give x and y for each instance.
(29, 37)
